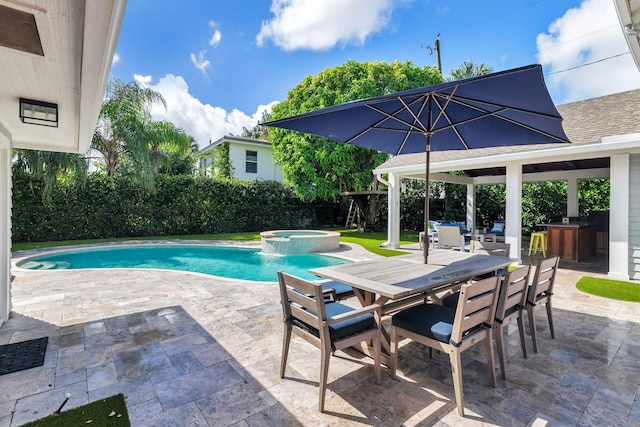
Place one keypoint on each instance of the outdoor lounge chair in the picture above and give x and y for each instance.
(329, 326)
(450, 236)
(498, 230)
(451, 330)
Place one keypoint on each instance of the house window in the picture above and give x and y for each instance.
(252, 161)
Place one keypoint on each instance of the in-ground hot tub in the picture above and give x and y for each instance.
(299, 241)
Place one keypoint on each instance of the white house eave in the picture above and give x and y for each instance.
(607, 147)
(629, 14)
(95, 66)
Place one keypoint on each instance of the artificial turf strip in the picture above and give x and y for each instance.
(612, 289)
(108, 412)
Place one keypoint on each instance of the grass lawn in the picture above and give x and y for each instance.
(607, 288)
(369, 240)
(109, 412)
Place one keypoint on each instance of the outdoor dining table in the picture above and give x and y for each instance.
(399, 282)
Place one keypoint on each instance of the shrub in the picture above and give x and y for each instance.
(105, 207)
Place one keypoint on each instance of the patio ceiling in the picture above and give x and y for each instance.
(56, 51)
(580, 164)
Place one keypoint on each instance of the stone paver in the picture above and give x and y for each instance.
(189, 349)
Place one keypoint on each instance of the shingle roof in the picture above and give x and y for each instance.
(584, 122)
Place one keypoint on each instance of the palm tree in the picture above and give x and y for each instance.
(469, 69)
(49, 166)
(164, 139)
(120, 128)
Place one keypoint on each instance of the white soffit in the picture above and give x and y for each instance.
(629, 14)
(78, 39)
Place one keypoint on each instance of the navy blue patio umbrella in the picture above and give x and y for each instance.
(510, 107)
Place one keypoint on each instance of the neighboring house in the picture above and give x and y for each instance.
(59, 54)
(605, 136)
(250, 158)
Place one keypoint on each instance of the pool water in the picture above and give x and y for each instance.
(224, 261)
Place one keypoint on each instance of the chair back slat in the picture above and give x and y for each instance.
(476, 306)
(301, 298)
(306, 317)
(544, 278)
(513, 291)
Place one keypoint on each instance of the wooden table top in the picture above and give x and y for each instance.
(405, 275)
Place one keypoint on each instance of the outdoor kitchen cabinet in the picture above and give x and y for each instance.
(572, 241)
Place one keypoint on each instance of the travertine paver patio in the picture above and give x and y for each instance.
(190, 349)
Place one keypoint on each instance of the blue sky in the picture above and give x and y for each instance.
(219, 64)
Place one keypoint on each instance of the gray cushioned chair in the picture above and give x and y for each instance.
(452, 330)
(329, 326)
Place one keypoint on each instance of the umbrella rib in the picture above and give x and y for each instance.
(446, 116)
(406, 136)
(497, 115)
(386, 117)
(464, 101)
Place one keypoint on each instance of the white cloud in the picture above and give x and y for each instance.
(200, 62)
(116, 59)
(217, 35)
(320, 25)
(588, 33)
(144, 81)
(202, 121)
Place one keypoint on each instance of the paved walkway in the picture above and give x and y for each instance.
(193, 350)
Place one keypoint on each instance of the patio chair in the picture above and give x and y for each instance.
(336, 291)
(480, 248)
(490, 248)
(329, 326)
(540, 292)
(511, 301)
(450, 236)
(498, 230)
(451, 330)
(332, 291)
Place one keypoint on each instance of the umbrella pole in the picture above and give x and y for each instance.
(425, 242)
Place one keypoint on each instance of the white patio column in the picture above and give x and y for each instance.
(619, 217)
(513, 210)
(471, 206)
(393, 220)
(5, 228)
(572, 197)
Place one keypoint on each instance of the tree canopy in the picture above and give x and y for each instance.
(317, 167)
(120, 128)
(469, 69)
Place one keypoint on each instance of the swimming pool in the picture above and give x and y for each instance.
(224, 261)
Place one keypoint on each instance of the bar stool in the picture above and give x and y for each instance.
(538, 239)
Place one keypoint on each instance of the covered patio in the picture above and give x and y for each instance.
(605, 135)
(190, 349)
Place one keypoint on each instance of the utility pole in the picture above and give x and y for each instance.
(436, 47)
(438, 52)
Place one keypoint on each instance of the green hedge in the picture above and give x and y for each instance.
(104, 208)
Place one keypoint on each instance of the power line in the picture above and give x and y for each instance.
(560, 44)
(588, 63)
(489, 18)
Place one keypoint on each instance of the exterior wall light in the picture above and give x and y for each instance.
(38, 112)
(630, 31)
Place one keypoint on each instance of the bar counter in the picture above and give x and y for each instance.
(574, 241)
